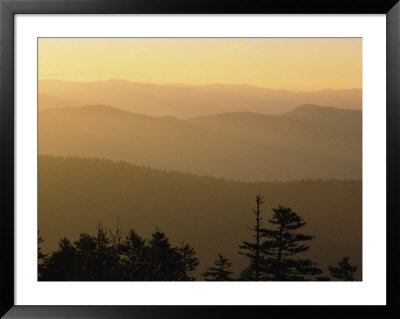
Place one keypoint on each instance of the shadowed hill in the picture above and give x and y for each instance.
(309, 142)
(185, 101)
(324, 132)
(209, 213)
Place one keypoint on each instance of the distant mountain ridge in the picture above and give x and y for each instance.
(185, 101)
(309, 142)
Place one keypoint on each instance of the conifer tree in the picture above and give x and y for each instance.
(105, 258)
(220, 271)
(166, 262)
(252, 250)
(188, 260)
(86, 250)
(162, 258)
(282, 243)
(345, 271)
(134, 257)
(98, 258)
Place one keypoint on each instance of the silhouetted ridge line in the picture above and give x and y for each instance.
(184, 101)
(106, 161)
(305, 108)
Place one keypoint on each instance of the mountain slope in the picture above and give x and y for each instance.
(186, 101)
(322, 131)
(210, 214)
(239, 146)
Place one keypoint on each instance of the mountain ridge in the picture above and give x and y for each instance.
(304, 108)
(184, 101)
(236, 146)
(216, 84)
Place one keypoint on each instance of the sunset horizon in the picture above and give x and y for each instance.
(313, 63)
(177, 148)
(198, 85)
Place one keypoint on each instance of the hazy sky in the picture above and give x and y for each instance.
(299, 64)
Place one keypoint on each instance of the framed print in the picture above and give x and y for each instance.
(183, 160)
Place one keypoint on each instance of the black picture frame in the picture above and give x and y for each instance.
(9, 8)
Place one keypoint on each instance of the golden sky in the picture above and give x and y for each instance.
(298, 64)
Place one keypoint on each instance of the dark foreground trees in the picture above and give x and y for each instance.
(41, 256)
(252, 250)
(272, 255)
(107, 256)
(282, 243)
(345, 271)
(220, 271)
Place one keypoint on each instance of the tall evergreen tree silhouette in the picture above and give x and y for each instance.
(281, 243)
(252, 250)
(220, 271)
(345, 271)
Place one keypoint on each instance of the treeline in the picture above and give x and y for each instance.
(108, 256)
(125, 256)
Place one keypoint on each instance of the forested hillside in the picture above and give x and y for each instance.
(209, 213)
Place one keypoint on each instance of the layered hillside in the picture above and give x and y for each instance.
(307, 143)
(186, 101)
